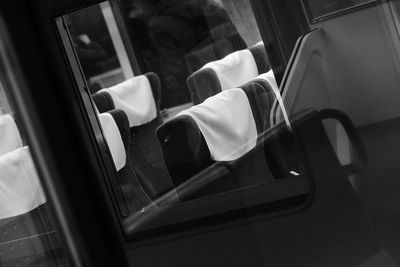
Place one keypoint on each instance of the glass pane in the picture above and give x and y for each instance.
(99, 46)
(196, 121)
(28, 236)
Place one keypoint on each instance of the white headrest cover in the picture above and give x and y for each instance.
(227, 124)
(20, 188)
(10, 138)
(135, 98)
(114, 140)
(270, 78)
(235, 69)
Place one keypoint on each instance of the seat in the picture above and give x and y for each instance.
(231, 71)
(186, 151)
(115, 125)
(144, 151)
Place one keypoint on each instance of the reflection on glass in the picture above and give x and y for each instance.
(27, 234)
(99, 46)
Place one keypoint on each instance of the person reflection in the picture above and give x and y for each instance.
(183, 36)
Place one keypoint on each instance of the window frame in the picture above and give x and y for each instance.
(80, 92)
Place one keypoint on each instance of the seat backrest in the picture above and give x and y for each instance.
(231, 71)
(132, 190)
(186, 151)
(144, 151)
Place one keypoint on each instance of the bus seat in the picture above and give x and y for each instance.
(282, 151)
(189, 146)
(260, 56)
(144, 150)
(135, 97)
(20, 187)
(10, 138)
(103, 101)
(134, 194)
(231, 71)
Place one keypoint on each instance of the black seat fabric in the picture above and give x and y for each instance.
(186, 152)
(103, 101)
(261, 58)
(132, 190)
(282, 152)
(144, 151)
(205, 82)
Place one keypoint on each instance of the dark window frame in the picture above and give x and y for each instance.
(47, 16)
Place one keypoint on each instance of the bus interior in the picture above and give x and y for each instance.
(199, 133)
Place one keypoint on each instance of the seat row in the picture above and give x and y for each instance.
(226, 127)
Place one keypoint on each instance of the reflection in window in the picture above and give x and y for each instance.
(27, 235)
(99, 46)
(196, 122)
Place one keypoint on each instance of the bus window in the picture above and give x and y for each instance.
(28, 236)
(99, 46)
(195, 118)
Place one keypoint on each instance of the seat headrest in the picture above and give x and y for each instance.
(229, 72)
(114, 140)
(121, 119)
(103, 101)
(135, 97)
(278, 110)
(20, 188)
(10, 138)
(261, 97)
(261, 57)
(235, 69)
(227, 123)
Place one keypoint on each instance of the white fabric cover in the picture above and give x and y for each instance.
(235, 69)
(114, 140)
(270, 78)
(227, 124)
(20, 188)
(135, 98)
(10, 138)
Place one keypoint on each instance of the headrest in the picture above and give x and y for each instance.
(103, 101)
(261, 57)
(278, 104)
(20, 188)
(10, 138)
(270, 78)
(232, 71)
(135, 98)
(114, 140)
(235, 69)
(226, 121)
(122, 122)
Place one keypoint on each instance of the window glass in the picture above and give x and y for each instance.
(99, 46)
(196, 119)
(28, 236)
